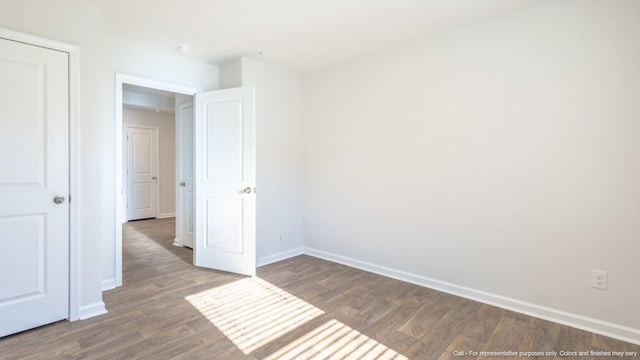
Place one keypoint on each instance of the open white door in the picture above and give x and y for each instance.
(225, 201)
(185, 217)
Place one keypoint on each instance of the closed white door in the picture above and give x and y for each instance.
(34, 186)
(142, 173)
(185, 216)
(225, 215)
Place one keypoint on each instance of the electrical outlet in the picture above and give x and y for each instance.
(599, 279)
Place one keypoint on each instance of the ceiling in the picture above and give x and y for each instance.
(299, 34)
(138, 97)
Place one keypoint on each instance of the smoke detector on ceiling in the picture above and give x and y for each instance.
(183, 48)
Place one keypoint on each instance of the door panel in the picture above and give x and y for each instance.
(34, 164)
(26, 140)
(224, 219)
(225, 180)
(142, 173)
(142, 143)
(223, 142)
(142, 196)
(23, 256)
(185, 217)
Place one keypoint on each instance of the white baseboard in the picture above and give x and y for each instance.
(612, 330)
(108, 284)
(91, 310)
(269, 259)
(167, 215)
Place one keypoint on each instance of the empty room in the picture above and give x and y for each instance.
(319, 179)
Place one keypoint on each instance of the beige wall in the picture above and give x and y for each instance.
(165, 122)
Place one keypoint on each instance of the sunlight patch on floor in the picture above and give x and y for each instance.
(335, 340)
(252, 312)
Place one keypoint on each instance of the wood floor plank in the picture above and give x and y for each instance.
(156, 314)
(507, 336)
(482, 325)
(461, 348)
(543, 336)
(399, 342)
(438, 337)
(427, 319)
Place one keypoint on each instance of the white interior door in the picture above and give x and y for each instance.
(225, 180)
(142, 173)
(185, 216)
(34, 170)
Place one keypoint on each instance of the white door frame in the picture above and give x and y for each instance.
(121, 79)
(74, 140)
(125, 185)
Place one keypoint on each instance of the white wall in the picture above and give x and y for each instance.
(503, 157)
(279, 148)
(100, 58)
(231, 73)
(165, 122)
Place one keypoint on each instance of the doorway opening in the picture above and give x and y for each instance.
(150, 155)
(214, 173)
(152, 121)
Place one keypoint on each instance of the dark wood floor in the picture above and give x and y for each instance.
(301, 308)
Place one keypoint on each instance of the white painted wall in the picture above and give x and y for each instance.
(279, 147)
(100, 58)
(504, 157)
(165, 122)
(231, 73)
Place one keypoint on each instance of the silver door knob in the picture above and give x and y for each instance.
(183, 184)
(247, 190)
(58, 199)
(154, 178)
